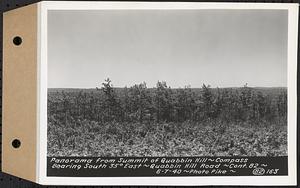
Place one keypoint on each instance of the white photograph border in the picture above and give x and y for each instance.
(195, 180)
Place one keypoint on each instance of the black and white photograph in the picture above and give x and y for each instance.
(174, 83)
(168, 93)
(112, 93)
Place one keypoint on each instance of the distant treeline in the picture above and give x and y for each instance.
(164, 104)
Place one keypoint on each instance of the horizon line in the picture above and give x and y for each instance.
(168, 87)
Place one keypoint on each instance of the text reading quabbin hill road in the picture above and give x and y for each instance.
(165, 166)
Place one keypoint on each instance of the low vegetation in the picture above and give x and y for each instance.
(161, 121)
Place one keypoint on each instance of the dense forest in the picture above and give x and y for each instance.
(165, 121)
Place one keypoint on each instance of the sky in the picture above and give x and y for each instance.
(222, 48)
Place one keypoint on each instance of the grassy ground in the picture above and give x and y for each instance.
(89, 138)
